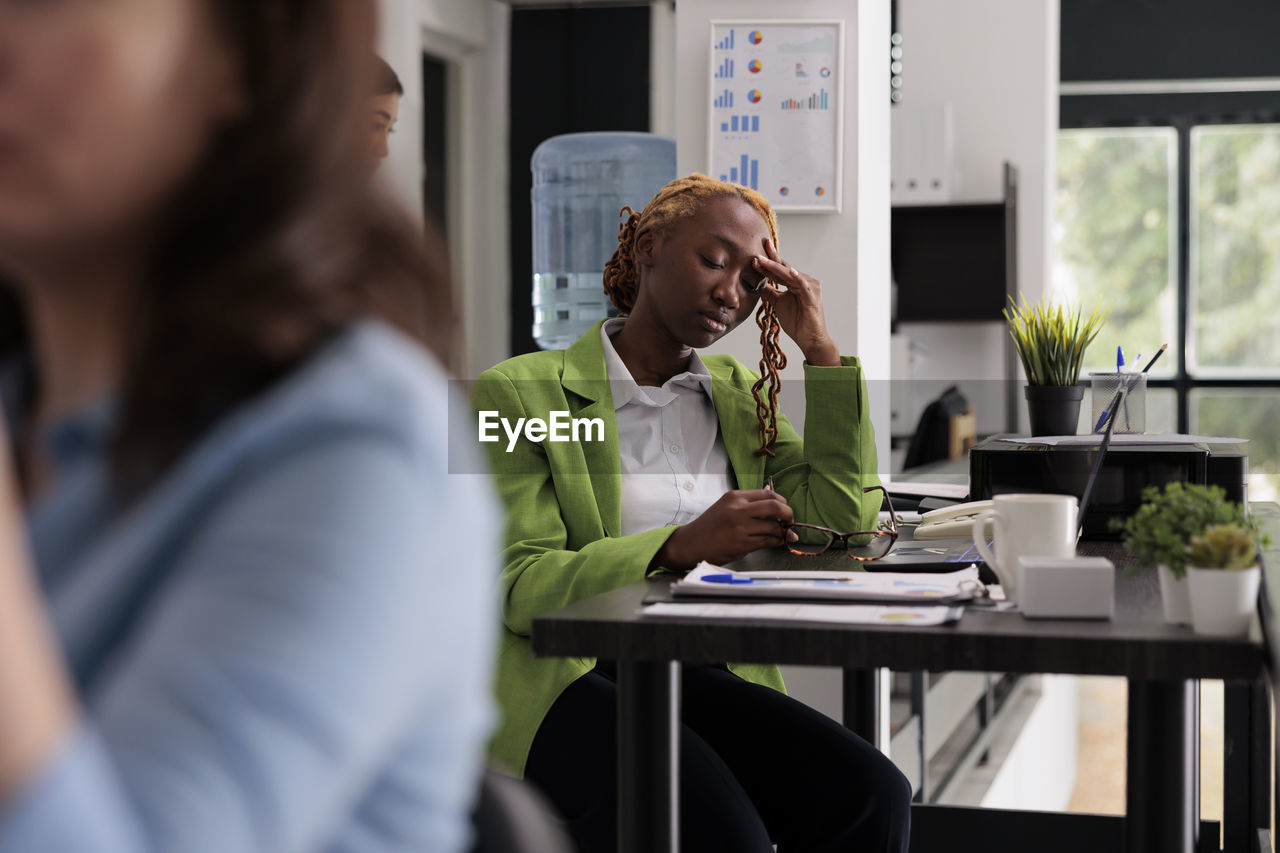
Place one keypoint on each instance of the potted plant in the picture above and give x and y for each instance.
(1051, 340)
(1222, 577)
(1159, 532)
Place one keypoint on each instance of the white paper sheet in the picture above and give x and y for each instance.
(1123, 438)
(898, 587)
(840, 614)
(956, 491)
(776, 121)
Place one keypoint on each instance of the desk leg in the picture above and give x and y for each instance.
(648, 757)
(1247, 784)
(1163, 784)
(863, 714)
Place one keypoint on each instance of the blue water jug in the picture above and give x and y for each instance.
(580, 182)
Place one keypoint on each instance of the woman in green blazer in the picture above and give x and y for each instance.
(678, 476)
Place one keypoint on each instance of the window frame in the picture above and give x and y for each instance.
(1093, 111)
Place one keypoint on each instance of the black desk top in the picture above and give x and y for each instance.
(1137, 643)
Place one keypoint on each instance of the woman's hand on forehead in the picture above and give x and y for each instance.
(796, 299)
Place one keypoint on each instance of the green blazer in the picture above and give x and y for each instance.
(564, 508)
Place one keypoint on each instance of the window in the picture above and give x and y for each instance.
(1235, 252)
(1115, 237)
(1252, 413)
(1200, 272)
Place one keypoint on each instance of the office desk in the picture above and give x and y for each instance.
(1161, 662)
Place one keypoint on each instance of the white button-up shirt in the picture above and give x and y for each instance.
(674, 464)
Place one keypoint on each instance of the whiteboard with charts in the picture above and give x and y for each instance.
(776, 110)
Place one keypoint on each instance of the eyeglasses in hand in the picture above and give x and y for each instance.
(815, 539)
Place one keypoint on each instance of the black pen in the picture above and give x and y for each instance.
(1154, 357)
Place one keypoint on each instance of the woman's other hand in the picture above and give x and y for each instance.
(796, 299)
(740, 522)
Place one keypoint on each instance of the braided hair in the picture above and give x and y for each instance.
(682, 199)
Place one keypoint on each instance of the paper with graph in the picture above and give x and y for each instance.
(776, 110)
(710, 581)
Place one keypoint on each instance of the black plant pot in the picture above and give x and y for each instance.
(1054, 409)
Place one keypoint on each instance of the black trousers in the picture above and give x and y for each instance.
(756, 768)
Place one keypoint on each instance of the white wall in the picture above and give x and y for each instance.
(1039, 773)
(996, 62)
(848, 252)
(472, 37)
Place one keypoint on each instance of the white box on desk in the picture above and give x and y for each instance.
(1066, 587)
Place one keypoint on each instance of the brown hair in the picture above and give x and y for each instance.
(385, 79)
(274, 243)
(677, 201)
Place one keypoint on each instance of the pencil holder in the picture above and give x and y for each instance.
(1132, 410)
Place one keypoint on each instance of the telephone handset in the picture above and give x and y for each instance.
(953, 522)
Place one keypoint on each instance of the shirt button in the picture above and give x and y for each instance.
(688, 487)
(675, 448)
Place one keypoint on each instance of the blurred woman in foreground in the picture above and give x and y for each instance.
(233, 613)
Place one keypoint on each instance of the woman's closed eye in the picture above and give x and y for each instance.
(750, 285)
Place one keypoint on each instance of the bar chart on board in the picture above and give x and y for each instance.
(775, 116)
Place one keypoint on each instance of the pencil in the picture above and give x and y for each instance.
(1155, 357)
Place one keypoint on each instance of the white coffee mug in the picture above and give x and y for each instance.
(1025, 526)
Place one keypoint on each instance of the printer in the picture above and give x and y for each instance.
(1003, 464)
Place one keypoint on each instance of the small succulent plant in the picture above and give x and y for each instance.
(1223, 546)
(1159, 531)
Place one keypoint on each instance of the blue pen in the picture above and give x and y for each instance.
(1106, 413)
(1112, 404)
(736, 579)
(1119, 358)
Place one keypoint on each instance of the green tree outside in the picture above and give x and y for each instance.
(1114, 236)
(1235, 239)
(1113, 233)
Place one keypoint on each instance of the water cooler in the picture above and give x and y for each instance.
(580, 182)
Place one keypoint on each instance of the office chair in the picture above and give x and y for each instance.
(947, 429)
(511, 816)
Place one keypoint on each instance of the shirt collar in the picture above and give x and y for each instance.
(624, 387)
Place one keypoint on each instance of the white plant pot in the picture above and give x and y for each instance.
(1223, 601)
(1175, 596)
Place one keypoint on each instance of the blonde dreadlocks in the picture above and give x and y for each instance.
(679, 200)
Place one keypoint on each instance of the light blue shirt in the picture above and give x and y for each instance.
(286, 644)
